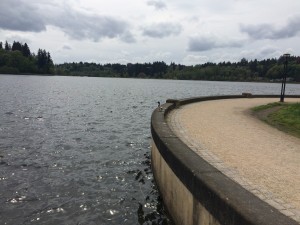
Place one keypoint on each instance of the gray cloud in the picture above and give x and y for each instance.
(21, 38)
(67, 47)
(261, 52)
(161, 30)
(268, 50)
(128, 37)
(157, 4)
(80, 26)
(201, 44)
(25, 16)
(15, 15)
(205, 43)
(268, 31)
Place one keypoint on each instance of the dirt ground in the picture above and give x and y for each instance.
(266, 159)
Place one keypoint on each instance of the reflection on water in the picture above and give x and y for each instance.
(77, 150)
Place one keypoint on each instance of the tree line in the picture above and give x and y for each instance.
(17, 58)
(244, 70)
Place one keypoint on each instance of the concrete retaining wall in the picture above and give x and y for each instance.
(193, 191)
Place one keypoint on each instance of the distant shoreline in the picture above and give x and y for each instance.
(144, 78)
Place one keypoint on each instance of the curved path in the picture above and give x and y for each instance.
(261, 158)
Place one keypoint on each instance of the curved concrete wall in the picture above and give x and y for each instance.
(193, 191)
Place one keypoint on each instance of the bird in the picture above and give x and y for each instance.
(159, 107)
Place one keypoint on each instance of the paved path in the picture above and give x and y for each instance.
(261, 158)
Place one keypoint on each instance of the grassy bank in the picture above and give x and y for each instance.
(283, 116)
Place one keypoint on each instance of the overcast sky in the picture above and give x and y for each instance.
(182, 31)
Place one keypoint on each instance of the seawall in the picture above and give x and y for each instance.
(195, 192)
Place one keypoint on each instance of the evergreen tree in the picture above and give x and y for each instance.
(50, 64)
(44, 61)
(26, 50)
(17, 46)
(7, 47)
(41, 59)
(18, 59)
(243, 62)
(253, 65)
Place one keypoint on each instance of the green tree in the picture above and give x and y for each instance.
(17, 46)
(244, 62)
(275, 72)
(44, 61)
(7, 46)
(253, 66)
(16, 60)
(4, 57)
(296, 74)
(19, 59)
(25, 50)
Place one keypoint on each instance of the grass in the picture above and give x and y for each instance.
(283, 116)
(268, 106)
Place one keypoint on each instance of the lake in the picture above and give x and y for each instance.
(76, 150)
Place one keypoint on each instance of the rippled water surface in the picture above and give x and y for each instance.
(76, 150)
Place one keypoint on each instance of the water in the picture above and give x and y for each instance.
(76, 150)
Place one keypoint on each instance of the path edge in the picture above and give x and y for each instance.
(195, 192)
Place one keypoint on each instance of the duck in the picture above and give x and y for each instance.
(159, 107)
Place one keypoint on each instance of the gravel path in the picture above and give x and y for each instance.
(261, 158)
